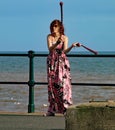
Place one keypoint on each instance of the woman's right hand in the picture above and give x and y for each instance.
(58, 41)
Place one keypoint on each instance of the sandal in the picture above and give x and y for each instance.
(49, 114)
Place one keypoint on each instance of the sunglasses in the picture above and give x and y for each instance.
(55, 26)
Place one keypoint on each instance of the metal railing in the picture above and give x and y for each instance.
(31, 83)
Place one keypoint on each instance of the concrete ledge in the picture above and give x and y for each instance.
(94, 115)
(30, 121)
(26, 114)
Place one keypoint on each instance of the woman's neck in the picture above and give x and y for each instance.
(57, 34)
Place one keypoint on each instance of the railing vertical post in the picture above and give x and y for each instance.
(31, 82)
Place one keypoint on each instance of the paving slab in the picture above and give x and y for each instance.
(32, 121)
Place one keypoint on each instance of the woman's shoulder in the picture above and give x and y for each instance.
(49, 36)
(64, 37)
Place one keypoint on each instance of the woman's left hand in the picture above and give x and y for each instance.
(77, 44)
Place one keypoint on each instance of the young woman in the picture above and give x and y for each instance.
(58, 70)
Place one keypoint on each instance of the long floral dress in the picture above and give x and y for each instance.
(59, 81)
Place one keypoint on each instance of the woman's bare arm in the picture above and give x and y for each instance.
(51, 46)
(68, 49)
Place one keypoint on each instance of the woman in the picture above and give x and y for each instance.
(58, 70)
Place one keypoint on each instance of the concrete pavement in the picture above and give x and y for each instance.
(32, 121)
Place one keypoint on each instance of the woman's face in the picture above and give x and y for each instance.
(55, 28)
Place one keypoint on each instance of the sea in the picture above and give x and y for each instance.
(15, 98)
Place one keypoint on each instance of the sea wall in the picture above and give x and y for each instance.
(94, 115)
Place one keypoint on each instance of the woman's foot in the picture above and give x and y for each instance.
(64, 113)
(49, 114)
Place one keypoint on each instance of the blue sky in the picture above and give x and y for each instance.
(24, 24)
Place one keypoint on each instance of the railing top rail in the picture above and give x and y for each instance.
(14, 54)
(39, 54)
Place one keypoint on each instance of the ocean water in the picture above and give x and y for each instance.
(14, 98)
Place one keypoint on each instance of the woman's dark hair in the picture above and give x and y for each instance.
(59, 23)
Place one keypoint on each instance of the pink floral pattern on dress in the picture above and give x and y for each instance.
(59, 81)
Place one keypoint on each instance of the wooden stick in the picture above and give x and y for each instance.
(95, 52)
(61, 9)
